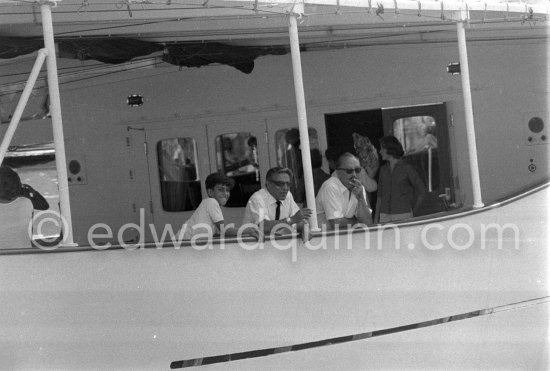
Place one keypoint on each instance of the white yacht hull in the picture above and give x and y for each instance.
(147, 308)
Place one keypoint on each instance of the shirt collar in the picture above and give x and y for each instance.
(338, 182)
(270, 199)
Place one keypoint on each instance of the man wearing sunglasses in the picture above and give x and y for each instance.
(274, 205)
(342, 199)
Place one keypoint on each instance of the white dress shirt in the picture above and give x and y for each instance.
(204, 219)
(262, 205)
(335, 201)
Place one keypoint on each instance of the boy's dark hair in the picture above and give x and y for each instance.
(10, 183)
(392, 146)
(214, 179)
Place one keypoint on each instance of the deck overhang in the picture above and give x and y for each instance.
(266, 23)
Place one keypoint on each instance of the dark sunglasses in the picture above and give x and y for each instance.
(356, 170)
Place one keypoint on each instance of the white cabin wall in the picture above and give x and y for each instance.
(335, 81)
(100, 118)
(30, 132)
(508, 80)
(510, 87)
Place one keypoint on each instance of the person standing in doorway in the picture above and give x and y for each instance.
(400, 189)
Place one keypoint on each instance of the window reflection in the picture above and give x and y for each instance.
(179, 178)
(418, 135)
(237, 157)
(289, 154)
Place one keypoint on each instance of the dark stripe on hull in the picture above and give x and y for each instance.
(344, 339)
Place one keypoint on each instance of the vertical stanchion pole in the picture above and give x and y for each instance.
(301, 108)
(55, 111)
(468, 110)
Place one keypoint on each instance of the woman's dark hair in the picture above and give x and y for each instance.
(392, 146)
(10, 183)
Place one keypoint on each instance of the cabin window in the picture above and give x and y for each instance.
(287, 142)
(418, 135)
(237, 157)
(179, 177)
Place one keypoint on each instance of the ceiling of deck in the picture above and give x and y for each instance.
(251, 23)
(198, 32)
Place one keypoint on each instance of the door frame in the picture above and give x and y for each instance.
(439, 112)
(153, 135)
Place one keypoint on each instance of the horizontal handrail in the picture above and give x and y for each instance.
(433, 218)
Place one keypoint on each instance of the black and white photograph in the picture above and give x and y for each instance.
(274, 185)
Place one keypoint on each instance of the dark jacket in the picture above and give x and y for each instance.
(399, 191)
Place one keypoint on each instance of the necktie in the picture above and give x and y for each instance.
(278, 210)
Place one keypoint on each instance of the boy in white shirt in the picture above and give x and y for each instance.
(207, 220)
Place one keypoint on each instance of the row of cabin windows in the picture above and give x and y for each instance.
(237, 157)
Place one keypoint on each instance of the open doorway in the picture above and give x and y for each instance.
(423, 132)
(341, 126)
